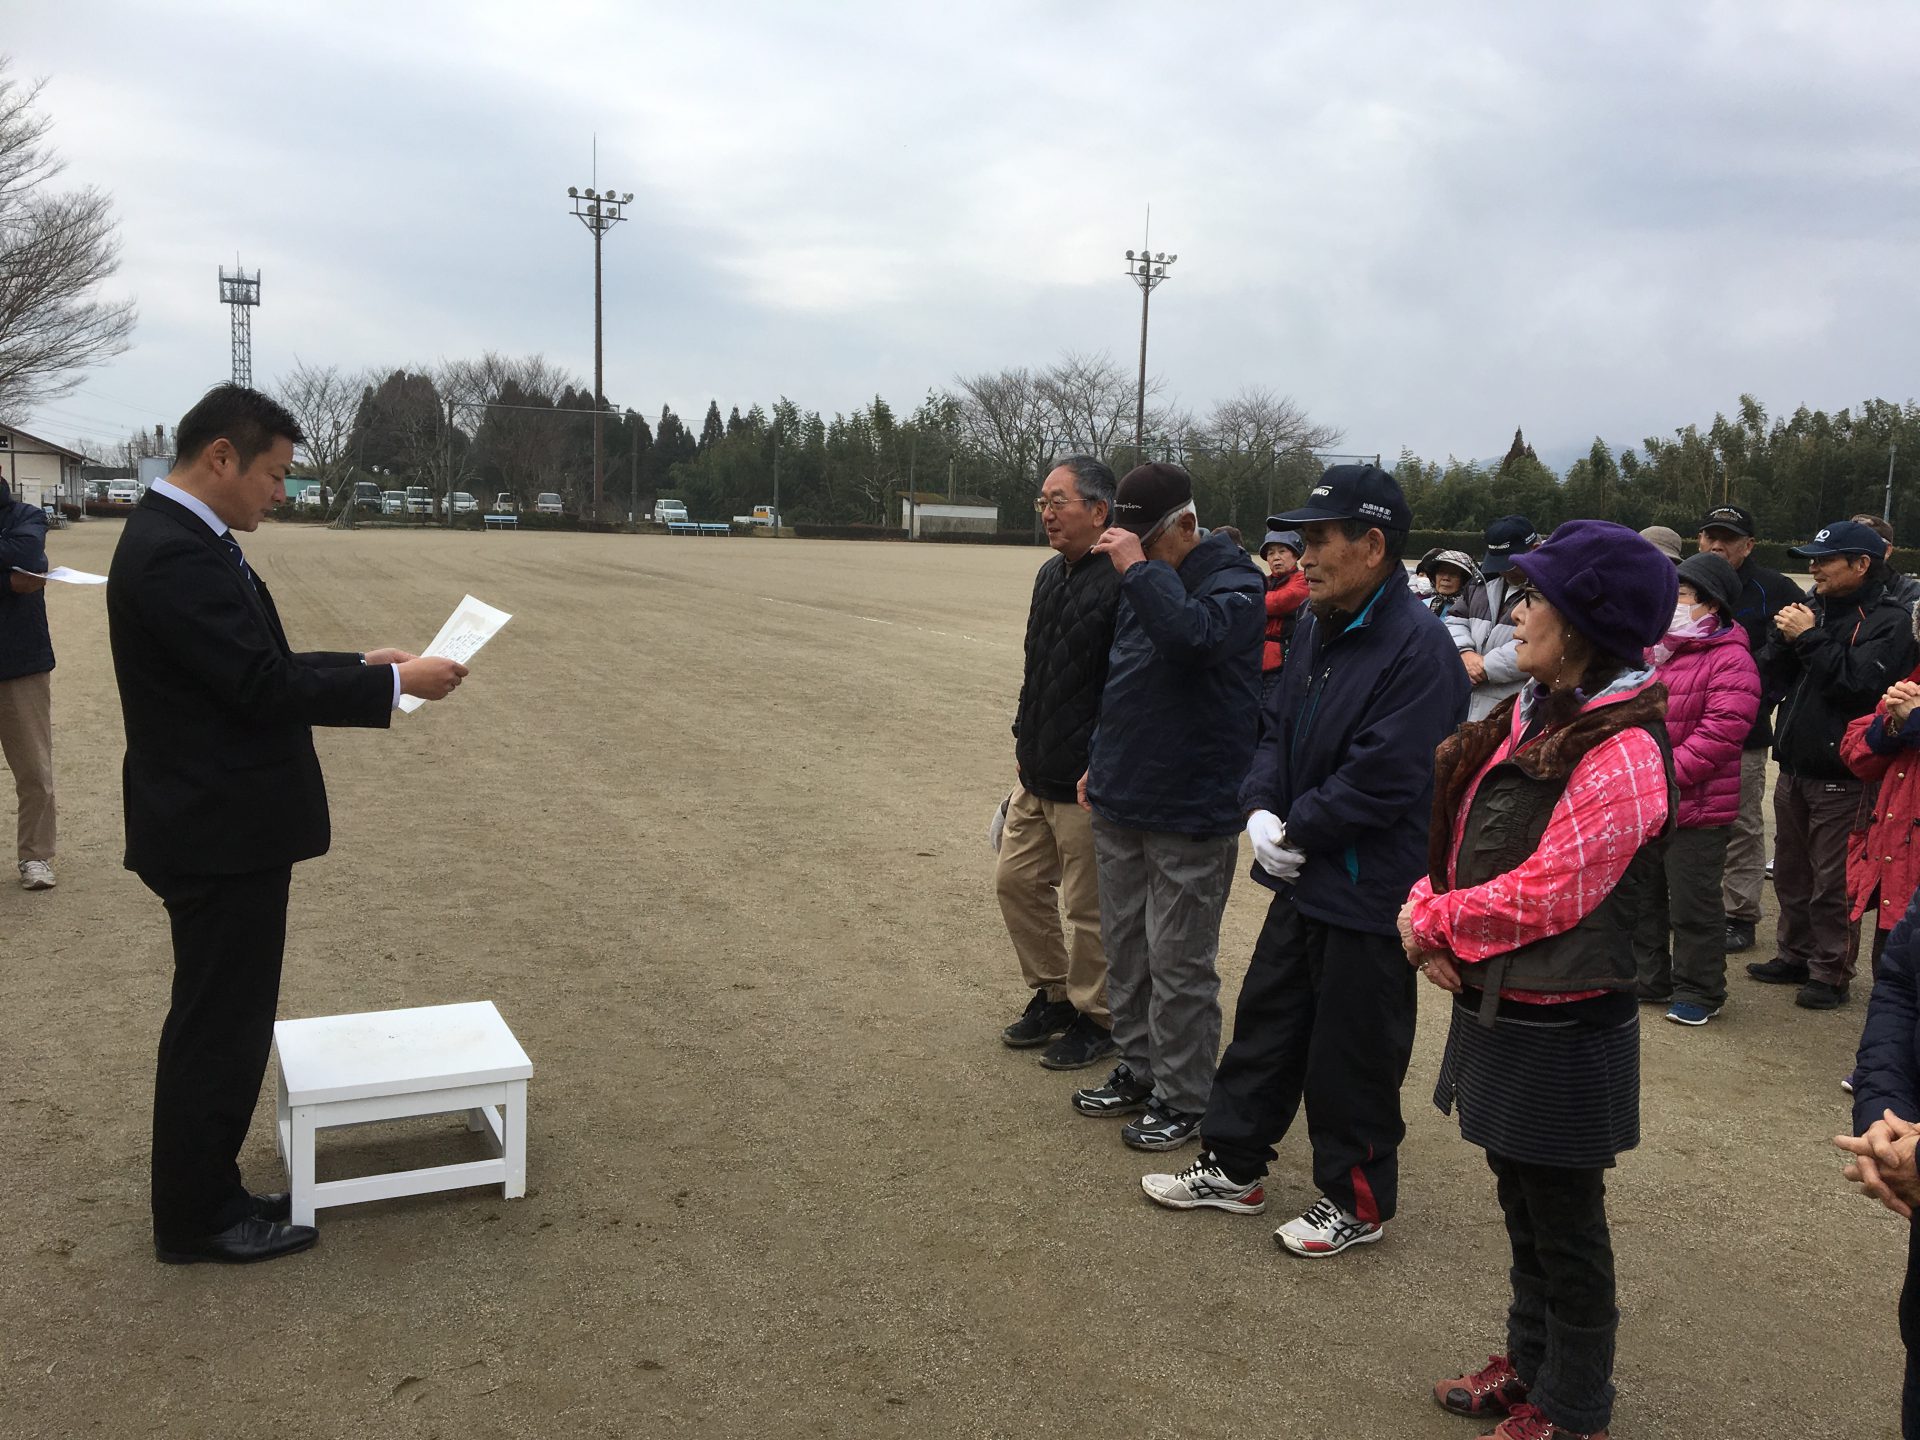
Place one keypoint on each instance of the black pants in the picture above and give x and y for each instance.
(229, 932)
(1686, 903)
(1326, 1014)
(1910, 1337)
(1562, 1319)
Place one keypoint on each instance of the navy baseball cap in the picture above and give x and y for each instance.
(1734, 518)
(1352, 492)
(1842, 537)
(1508, 536)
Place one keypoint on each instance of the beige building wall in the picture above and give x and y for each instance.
(35, 473)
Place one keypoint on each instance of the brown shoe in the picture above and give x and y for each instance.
(1494, 1389)
(1527, 1423)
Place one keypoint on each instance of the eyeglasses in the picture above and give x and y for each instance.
(1044, 503)
(1522, 595)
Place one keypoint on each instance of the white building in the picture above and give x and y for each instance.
(927, 513)
(38, 470)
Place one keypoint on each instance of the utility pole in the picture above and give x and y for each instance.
(599, 212)
(1147, 270)
(1886, 510)
(778, 518)
(633, 453)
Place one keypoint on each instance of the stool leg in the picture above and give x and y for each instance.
(513, 1123)
(280, 1110)
(476, 1121)
(300, 1163)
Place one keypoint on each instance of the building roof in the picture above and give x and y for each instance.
(44, 444)
(929, 497)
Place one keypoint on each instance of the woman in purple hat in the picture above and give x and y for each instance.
(1542, 855)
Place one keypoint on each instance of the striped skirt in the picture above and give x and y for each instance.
(1545, 1084)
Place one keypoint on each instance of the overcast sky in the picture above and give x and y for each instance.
(1427, 222)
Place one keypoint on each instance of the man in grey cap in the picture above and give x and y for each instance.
(1728, 531)
(1178, 721)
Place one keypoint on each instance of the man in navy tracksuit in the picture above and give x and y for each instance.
(1338, 797)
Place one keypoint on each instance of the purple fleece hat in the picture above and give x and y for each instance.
(1608, 583)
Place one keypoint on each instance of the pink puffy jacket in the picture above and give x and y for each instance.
(1713, 695)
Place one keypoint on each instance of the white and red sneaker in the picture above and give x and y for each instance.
(1326, 1230)
(1204, 1184)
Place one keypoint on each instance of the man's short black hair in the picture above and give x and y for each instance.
(1091, 478)
(1357, 528)
(244, 418)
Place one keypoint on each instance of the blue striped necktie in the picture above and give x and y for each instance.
(233, 549)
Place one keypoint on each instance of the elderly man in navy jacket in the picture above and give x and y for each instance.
(1178, 719)
(1338, 799)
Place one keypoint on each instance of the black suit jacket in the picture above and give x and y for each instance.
(220, 776)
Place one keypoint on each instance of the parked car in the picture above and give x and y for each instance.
(463, 503)
(393, 502)
(123, 492)
(366, 495)
(762, 515)
(670, 512)
(310, 496)
(548, 503)
(419, 500)
(505, 502)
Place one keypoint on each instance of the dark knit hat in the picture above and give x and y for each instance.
(1717, 582)
(1148, 493)
(1606, 582)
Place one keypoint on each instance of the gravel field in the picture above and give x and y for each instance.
(708, 825)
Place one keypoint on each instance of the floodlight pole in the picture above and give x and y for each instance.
(1146, 271)
(599, 212)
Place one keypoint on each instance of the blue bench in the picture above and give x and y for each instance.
(698, 527)
(501, 522)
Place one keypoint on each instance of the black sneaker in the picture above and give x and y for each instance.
(1819, 995)
(1778, 972)
(1087, 1042)
(1039, 1022)
(1161, 1129)
(1739, 937)
(1121, 1095)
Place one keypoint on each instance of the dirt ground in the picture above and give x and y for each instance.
(708, 825)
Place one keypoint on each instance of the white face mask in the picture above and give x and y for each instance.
(1682, 617)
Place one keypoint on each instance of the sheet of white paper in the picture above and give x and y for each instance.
(472, 624)
(65, 575)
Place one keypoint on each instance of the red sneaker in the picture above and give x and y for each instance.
(1494, 1389)
(1526, 1423)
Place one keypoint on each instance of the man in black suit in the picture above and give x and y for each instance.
(223, 794)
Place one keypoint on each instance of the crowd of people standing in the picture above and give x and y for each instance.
(1536, 777)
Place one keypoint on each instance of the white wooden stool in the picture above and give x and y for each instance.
(391, 1064)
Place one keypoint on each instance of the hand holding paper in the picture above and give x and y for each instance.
(472, 624)
(64, 574)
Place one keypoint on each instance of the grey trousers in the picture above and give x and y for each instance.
(1747, 844)
(1686, 903)
(1811, 820)
(1161, 898)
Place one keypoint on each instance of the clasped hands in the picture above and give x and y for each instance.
(1793, 621)
(1900, 699)
(1270, 849)
(430, 678)
(1883, 1162)
(1436, 965)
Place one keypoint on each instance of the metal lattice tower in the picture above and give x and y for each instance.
(240, 292)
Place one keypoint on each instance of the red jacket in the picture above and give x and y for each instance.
(1883, 854)
(1283, 602)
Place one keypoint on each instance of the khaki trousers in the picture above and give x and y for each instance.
(26, 739)
(1747, 842)
(1046, 866)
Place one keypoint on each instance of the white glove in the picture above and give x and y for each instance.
(1269, 835)
(997, 826)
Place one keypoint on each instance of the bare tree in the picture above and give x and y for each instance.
(326, 400)
(55, 248)
(1090, 400)
(1247, 436)
(1004, 418)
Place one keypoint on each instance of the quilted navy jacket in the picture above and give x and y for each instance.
(1887, 1071)
(1346, 757)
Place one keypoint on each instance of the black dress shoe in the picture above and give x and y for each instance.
(277, 1207)
(241, 1243)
